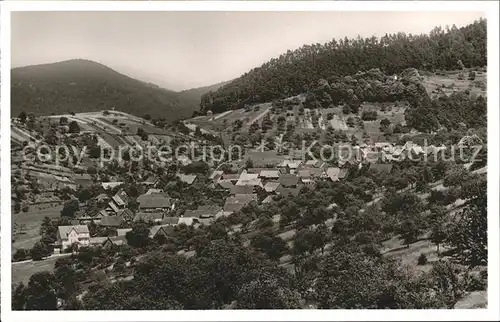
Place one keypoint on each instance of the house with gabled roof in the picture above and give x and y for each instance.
(242, 190)
(153, 191)
(170, 221)
(222, 185)
(160, 230)
(288, 191)
(289, 180)
(333, 173)
(111, 185)
(151, 180)
(290, 165)
(111, 221)
(235, 203)
(271, 186)
(102, 198)
(122, 231)
(233, 177)
(115, 241)
(88, 216)
(249, 179)
(154, 202)
(118, 202)
(216, 175)
(69, 235)
(381, 167)
(270, 174)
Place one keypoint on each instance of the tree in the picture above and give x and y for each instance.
(438, 234)
(322, 236)
(305, 242)
(198, 167)
(272, 246)
(39, 251)
(139, 235)
(19, 297)
(384, 125)
(369, 115)
(409, 231)
(70, 208)
(74, 127)
(472, 75)
(267, 293)
(41, 292)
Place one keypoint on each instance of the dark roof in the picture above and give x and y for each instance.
(111, 221)
(151, 180)
(343, 173)
(225, 184)
(289, 180)
(154, 201)
(231, 176)
(117, 240)
(241, 190)
(203, 211)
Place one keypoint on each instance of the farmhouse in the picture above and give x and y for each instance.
(149, 216)
(289, 180)
(69, 235)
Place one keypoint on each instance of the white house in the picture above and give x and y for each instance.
(69, 235)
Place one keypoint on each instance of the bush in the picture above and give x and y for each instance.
(461, 76)
(422, 259)
(369, 115)
(21, 255)
(472, 75)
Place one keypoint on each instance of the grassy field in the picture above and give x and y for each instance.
(22, 272)
(450, 83)
(32, 221)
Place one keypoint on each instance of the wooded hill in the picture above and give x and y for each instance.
(294, 71)
(82, 86)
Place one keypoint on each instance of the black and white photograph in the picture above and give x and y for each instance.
(250, 160)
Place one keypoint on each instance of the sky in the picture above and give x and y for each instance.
(182, 50)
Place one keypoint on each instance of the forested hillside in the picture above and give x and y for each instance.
(82, 86)
(294, 71)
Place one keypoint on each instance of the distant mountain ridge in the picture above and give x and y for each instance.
(80, 85)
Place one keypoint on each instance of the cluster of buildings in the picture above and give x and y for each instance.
(284, 176)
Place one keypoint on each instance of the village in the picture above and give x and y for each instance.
(263, 176)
